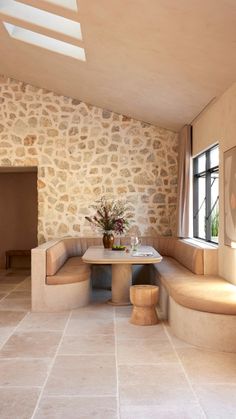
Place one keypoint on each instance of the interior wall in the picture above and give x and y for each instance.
(18, 212)
(83, 152)
(218, 124)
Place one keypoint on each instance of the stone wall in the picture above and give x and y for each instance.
(83, 152)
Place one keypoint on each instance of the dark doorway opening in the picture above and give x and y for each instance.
(18, 215)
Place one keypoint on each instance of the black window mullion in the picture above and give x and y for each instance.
(208, 197)
(195, 199)
(208, 174)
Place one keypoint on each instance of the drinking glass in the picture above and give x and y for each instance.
(134, 243)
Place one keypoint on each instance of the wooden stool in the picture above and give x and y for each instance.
(144, 299)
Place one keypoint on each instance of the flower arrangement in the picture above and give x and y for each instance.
(110, 216)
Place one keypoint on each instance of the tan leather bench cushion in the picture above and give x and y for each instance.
(74, 270)
(163, 244)
(77, 246)
(65, 248)
(170, 267)
(168, 270)
(75, 261)
(56, 257)
(190, 256)
(213, 294)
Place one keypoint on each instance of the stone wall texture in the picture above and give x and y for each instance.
(83, 152)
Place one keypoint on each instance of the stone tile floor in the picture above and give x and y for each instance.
(92, 363)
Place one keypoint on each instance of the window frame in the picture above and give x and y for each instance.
(208, 208)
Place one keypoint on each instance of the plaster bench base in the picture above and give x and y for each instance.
(206, 330)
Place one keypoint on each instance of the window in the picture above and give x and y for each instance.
(206, 195)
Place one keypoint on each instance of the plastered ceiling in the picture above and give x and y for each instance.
(160, 61)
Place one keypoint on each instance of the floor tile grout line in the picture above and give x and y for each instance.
(8, 337)
(59, 331)
(28, 276)
(39, 330)
(50, 368)
(81, 396)
(151, 364)
(13, 310)
(88, 335)
(210, 384)
(27, 387)
(112, 355)
(12, 290)
(28, 358)
(117, 370)
(14, 330)
(9, 293)
(185, 372)
(19, 295)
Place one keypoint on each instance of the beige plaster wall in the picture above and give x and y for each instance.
(83, 152)
(18, 212)
(218, 124)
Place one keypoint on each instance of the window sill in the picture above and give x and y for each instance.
(202, 243)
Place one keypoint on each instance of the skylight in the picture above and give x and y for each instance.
(67, 4)
(41, 28)
(32, 15)
(51, 44)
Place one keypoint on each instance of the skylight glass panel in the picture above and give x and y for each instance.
(67, 4)
(46, 42)
(41, 18)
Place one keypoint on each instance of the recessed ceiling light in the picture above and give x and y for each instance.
(46, 42)
(41, 18)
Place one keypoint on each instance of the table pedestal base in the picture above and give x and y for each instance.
(121, 283)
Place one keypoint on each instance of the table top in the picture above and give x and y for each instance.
(99, 255)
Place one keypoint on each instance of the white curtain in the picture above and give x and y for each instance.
(184, 183)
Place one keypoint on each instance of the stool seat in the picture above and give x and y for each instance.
(144, 299)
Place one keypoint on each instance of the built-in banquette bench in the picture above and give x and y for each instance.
(199, 305)
(60, 279)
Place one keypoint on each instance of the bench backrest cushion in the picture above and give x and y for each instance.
(163, 244)
(66, 248)
(190, 256)
(77, 246)
(56, 257)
